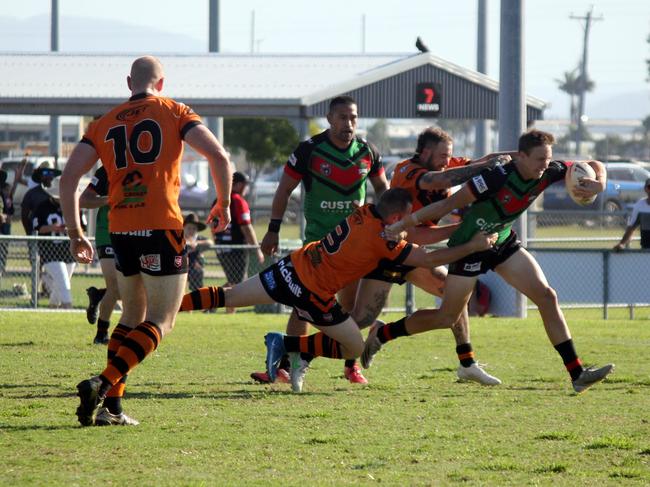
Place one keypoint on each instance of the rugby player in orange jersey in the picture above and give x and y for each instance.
(428, 176)
(309, 278)
(140, 144)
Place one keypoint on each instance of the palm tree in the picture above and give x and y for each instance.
(571, 85)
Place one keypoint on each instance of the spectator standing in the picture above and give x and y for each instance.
(239, 232)
(42, 177)
(58, 263)
(640, 217)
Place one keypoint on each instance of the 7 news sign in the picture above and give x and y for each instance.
(427, 100)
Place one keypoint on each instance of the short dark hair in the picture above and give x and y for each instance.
(432, 135)
(341, 100)
(240, 177)
(392, 201)
(534, 138)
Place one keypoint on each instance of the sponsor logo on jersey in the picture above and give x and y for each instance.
(327, 317)
(131, 113)
(151, 262)
(293, 160)
(338, 205)
(472, 267)
(480, 184)
(363, 170)
(269, 280)
(486, 226)
(109, 251)
(178, 261)
(286, 274)
(325, 168)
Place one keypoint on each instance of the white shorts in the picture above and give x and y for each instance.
(57, 279)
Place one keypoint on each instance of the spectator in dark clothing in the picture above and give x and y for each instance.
(58, 263)
(37, 195)
(240, 231)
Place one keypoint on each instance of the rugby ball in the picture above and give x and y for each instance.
(574, 174)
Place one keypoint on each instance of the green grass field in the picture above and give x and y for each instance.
(205, 423)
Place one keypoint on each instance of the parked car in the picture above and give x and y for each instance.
(262, 191)
(625, 182)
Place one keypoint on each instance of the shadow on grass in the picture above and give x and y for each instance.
(18, 344)
(37, 427)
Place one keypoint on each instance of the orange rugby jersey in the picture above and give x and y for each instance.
(407, 174)
(140, 144)
(347, 253)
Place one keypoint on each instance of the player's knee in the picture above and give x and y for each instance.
(546, 296)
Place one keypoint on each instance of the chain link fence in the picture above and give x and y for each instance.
(38, 271)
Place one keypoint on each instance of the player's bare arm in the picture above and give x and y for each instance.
(206, 144)
(434, 211)
(81, 161)
(379, 184)
(421, 258)
(454, 176)
(90, 199)
(431, 235)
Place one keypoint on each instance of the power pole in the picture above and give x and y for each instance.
(587, 19)
(481, 127)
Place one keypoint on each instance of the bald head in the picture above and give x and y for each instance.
(146, 75)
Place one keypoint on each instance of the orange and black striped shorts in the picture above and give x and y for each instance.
(153, 252)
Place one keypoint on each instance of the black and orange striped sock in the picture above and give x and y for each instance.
(203, 298)
(570, 358)
(390, 331)
(318, 345)
(465, 354)
(114, 396)
(135, 347)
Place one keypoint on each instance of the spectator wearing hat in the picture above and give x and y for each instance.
(195, 244)
(240, 231)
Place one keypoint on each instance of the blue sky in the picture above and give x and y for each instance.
(553, 42)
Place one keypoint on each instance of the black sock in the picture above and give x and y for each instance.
(570, 358)
(102, 327)
(390, 331)
(284, 363)
(350, 363)
(465, 354)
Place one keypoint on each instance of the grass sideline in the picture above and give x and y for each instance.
(205, 423)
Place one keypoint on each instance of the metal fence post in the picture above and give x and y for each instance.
(605, 283)
(409, 302)
(35, 259)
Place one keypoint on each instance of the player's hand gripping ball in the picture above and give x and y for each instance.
(573, 180)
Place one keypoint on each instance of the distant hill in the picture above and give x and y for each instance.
(624, 105)
(83, 35)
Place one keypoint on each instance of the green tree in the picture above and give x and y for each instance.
(265, 140)
(378, 135)
(571, 84)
